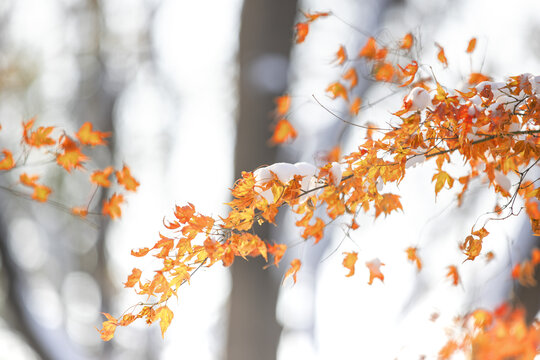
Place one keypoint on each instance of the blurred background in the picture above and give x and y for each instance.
(188, 89)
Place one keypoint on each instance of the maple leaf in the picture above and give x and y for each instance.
(88, 137)
(341, 55)
(40, 137)
(413, 257)
(27, 180)
(283, 132)
(352, 76)
(453, 274)
(369, 51)
(302, 29)
(7, 162)
(383, 72)
(71, 156)
(374, 267)
(387, 204)
(407, 41)
(140, 252)
(471, 46)
(101, 177)
(316, 230)
(111, 207)
(354, 109)
(337, 90)
(442, 177)
(125, 179)
(278, 250)
(41, 193)
(133, 278)
(109, 326)
(441, 56)
(26, 129)
(349, 261)
(283, 103)
(295, 266)
(477, 78)
(410, 71)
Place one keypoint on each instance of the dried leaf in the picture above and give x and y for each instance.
(295, 267)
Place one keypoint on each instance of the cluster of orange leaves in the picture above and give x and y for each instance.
(493, 138)
(68, 154)
(494, 335)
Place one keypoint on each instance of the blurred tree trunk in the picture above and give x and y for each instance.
(265, 43)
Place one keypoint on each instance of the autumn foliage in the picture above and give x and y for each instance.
(54, 146)
(491, 127)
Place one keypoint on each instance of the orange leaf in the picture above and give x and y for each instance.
(352, 76)
(125, 179)
(349, 261)
(316, 230)
(133, 278)
(302, 29)
(369, 50)
(336, 89)
(341, 55)
(374, 270)
(26, 129)
(165, 316)
(40, 137)
(41, 193)
(315, 16)
(278, 250)
(453, 274)
(109, 327)
(383, 72)
(441, 56)
(295, 266)
(413, 257)
(71, 156)
(410, 71)
(407, 42)
(112, 206)
(88, 137)
(477, 78)
(7, 162)
(471, 46)
(388, 203)
(81, 211)
(283, 132)
(283, 103)
(101, 177)
(355, 106)
(140, 252)
(28, 180)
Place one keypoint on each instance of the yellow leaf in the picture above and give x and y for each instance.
(165, 316)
